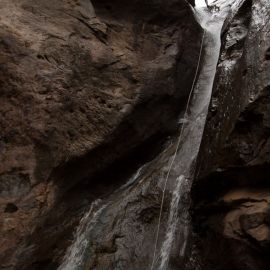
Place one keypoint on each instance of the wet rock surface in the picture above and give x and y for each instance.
(86, 90)
(91, 92)
(231, 195)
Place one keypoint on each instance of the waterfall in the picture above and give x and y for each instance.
(190, 137)
(180, 190)
(76, 254)
(180, 172)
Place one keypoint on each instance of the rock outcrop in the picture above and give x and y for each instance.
(84, 87)
(89, 92)
(231, 195)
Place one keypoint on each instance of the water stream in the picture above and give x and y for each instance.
(180, 171)
(76, 256)
(190, 140)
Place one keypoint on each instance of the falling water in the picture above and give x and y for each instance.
(179, 192)
(190, 139)
(77, 256)
(73, 258)
(180, 173)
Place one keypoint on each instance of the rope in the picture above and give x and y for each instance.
(175, 153)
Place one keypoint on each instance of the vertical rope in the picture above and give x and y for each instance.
(175, 153)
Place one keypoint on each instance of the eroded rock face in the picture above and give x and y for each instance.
(231, 195)
(82, 86)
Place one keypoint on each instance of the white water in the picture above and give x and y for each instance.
(201, 3)
(74, 257)
(190, 139)
(179, 192)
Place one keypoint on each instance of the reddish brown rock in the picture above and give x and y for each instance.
(81, 86)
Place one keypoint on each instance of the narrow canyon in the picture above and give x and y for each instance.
(134, 135)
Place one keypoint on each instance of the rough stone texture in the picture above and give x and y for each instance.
(81, 86)
(89, 91)
(231, 195)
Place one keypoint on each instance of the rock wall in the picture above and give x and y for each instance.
(89, 93)
(83, 87)
(231, 197)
